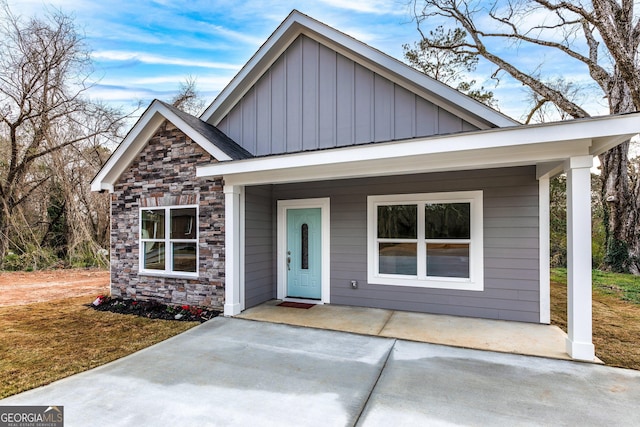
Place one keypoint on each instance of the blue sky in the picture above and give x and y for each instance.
(144, 49)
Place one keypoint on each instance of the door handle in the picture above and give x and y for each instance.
(288, 260)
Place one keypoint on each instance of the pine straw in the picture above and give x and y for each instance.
(43, 342)
(616, 325)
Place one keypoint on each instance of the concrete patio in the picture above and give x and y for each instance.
(481, 334)
(235, 372)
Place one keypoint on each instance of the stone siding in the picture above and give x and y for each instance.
(164, 174)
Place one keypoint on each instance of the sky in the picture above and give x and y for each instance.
(144, 49)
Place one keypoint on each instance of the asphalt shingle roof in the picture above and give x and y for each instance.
(212, 133)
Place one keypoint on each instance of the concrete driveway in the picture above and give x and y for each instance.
(234, 372)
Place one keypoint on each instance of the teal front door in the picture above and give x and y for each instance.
(304, 253)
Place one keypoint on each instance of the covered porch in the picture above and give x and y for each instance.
(528, 339)
(540, 151)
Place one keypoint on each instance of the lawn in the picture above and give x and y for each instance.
(616, 315)
(43, 342)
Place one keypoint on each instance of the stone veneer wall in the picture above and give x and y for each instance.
(164, 174)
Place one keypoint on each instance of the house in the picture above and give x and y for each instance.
(327, 171)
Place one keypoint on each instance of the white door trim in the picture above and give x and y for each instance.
(283, 206)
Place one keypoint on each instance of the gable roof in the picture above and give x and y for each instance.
(297, 24)
(211, 139)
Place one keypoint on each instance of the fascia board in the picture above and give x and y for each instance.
(578, 133)
(434, 91)
(138, 137)
(442, 162)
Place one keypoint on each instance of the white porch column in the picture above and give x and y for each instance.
(579, 311)
(232, 242)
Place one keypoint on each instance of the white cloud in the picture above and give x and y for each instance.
(116, 55)
(377, 7)
(236, 35)
(209, 81)
(122, 95)
(159, 85)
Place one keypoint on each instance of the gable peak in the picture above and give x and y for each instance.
(297, 24)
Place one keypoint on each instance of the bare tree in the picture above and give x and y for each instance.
(603, 37)
(44, 111)
(542, 109)
(449, 66)
(188, 99)
(84, 227)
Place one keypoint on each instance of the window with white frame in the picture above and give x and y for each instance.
(427, 240)
(169, 240)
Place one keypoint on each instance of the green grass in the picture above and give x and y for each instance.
(625, 286)
(616, 315)
(43, 342)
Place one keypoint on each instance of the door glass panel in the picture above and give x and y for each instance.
(304, 256)
(153, 224)
(448, 260)
(398, 258)
(448, 221)
(154, 255)
(397, 222)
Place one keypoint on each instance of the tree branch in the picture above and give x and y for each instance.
(464, 18)
(535, 108)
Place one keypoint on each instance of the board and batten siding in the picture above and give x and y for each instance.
(259, 256)
(511, 243)
(313, 98)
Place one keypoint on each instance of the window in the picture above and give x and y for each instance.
(427, 240)
(169, 240)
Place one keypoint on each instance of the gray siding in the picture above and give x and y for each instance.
(260, 283)
(313, 98)
(511, 272)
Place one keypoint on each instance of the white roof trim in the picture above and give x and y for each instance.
(138, 137)
(297, 23)
(532, 144)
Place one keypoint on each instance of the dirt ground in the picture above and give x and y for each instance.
(21, 288)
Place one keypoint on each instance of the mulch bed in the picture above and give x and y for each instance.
(153, 309)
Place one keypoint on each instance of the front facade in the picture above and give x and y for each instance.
(331, 173)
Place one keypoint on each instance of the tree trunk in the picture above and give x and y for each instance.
(618, 195)
(615, 198)
(4, 233)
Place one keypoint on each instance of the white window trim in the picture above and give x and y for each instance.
(476, 244)
(168, 272)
